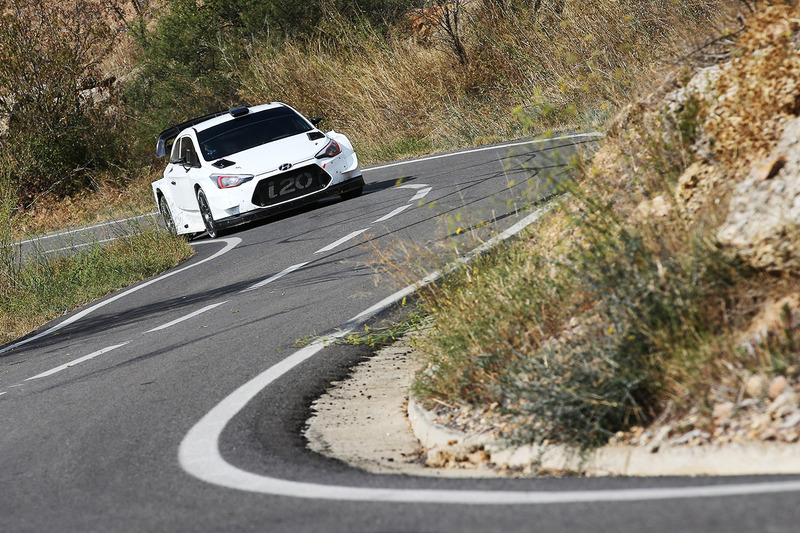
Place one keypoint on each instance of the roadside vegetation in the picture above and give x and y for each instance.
(633, 302)
(42, 287)
(622, 306)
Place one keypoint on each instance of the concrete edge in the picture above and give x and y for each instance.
(745, 458)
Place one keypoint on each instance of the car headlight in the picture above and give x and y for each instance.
(226, 181)
(329, 151)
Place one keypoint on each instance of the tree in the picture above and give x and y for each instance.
(50, 54)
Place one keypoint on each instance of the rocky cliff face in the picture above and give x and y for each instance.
(746, 156)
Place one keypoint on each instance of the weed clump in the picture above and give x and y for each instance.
(624, 305)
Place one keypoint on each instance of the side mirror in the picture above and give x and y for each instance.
(316, 120)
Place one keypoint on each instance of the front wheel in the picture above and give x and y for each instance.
(166, 214)
(205, 212)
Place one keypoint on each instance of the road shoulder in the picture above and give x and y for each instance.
(368, 422)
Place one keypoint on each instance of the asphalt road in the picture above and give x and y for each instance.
(178, 404)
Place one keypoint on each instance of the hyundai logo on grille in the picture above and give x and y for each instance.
(285, 166)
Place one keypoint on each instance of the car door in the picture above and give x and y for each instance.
(183, 172)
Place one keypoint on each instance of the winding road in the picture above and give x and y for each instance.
(178, 404)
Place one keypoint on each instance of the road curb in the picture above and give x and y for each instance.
(733, 459)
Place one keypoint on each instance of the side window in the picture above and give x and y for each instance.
(175, 153)
(186, 151)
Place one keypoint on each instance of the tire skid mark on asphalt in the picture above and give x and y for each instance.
(200, 457)
(77, 361)
(230, 244)
(107, 349)
(588, 135)
(341, 241)
(393, 213)
(276, 277)
(186, 317)
(422, 189)
(344, 239)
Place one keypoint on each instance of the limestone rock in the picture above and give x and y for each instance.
(763, 223)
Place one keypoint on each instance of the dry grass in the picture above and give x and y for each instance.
(625, 302)
(43, 288)
(525, 71)
(108, 200)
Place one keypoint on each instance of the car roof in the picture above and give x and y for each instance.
(208, 121)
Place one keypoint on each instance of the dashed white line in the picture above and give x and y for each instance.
(393, 213)
(422, 193)
(199, 453)
(341, 241)
(412, 186)
(77, 361)
(230, 243)
(277, 276)
(187, 317)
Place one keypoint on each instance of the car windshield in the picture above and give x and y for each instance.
(250, 131)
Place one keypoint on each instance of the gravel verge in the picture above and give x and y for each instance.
(368, 422)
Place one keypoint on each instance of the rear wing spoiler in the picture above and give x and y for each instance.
(173, 131)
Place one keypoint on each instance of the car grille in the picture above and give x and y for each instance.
(290, 185)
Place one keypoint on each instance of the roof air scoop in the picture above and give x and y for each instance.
(239, 111)
(223, 163)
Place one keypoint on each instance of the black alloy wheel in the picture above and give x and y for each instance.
(205, 212)
(166, 214)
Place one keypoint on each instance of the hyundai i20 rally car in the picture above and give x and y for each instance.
(234, 166)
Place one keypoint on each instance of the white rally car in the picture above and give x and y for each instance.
(234, 166)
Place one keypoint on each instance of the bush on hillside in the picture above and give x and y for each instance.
(60, 124)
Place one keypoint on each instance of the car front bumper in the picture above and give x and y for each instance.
(343, 187)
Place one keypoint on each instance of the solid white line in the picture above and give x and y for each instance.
(76, 361)
(341, 241)
(100, 225)
(187, 317)
(393, 213)
(75, 247)
(230, 244)
(486, 148)
(199, 451)
(277, 276)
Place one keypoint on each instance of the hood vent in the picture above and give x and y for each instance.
(223, 163)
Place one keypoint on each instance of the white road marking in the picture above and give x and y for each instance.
(199, 451)
(277, 276)
(100, 225)
(230, 244)
(422, 193)
(341, 241)
(75, 247)
(76, 361)
(412, 186)
(187, 317)
(486, 148)
(393, 213)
